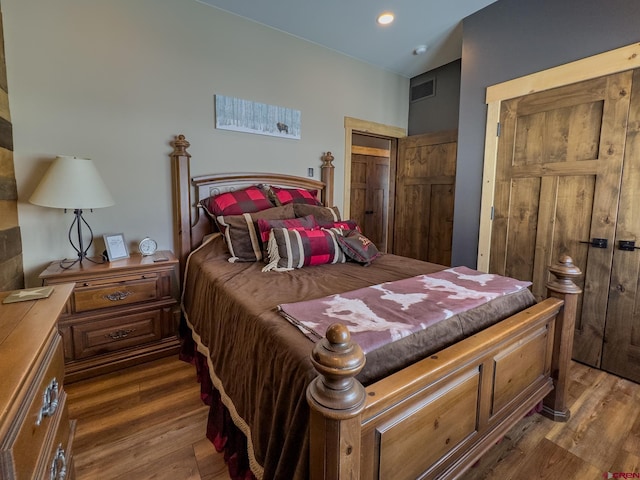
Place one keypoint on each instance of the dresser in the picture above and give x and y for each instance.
(36, 435)
(121, 313)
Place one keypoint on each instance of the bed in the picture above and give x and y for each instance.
(325, 410)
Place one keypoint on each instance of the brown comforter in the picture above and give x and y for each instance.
(260, 362)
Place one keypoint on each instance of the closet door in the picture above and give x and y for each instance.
(425, 185)
(621, 353)
(371, 189)
(559, 168)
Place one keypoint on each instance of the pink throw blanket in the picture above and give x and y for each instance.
(384, 313)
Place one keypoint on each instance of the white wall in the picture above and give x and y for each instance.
(116, 80)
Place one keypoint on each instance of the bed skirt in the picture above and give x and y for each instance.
(221, 431)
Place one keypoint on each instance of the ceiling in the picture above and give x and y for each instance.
(349, 27)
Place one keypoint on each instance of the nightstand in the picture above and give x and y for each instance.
(121, 313)
(36, 435)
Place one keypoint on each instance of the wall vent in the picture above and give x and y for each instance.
(423, 90)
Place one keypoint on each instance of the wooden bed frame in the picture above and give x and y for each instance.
(435, 418)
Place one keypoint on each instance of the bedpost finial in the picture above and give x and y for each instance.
(338, 360)
(180, 145)
(327, 160)
(565, 272)
(338, 334)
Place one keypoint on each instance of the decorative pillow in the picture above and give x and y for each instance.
(242, 235)
(302, 223)
(237, 202)
(290, 249)
(342, 224)
(357, 247)
(283, 196)
(322, 214)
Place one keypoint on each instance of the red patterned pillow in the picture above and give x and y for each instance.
(237, 202)
(290, 249)
(283, 196)
(303, 223)
(242, 235)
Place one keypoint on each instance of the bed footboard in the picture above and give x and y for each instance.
(435, 418)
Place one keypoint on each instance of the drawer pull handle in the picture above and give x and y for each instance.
(58, 470)
(49, 401)
(118, 334)
(117, 296)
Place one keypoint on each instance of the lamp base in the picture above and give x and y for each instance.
(81, 250)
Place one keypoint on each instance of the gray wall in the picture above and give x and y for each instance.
(116, 81)
(507, 40)
(439, 112)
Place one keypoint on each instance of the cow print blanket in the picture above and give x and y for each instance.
(384, 313)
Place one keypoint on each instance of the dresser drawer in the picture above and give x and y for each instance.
(57, 461)
(95, 337)
(106, 293)
(45, 412)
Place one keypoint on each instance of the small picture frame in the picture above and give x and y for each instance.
(116, 246)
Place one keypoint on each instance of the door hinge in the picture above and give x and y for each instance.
(498, 130)
(492, 211)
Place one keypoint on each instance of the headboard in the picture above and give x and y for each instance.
(190, 225)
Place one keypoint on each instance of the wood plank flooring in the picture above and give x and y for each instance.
(147, 422)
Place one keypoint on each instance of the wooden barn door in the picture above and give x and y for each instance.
(372, 188)
(425, 183)
(558, 184)
(621, 352)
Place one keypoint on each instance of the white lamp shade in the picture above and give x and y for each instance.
(72, 183)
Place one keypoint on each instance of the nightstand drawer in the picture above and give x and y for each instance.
(96, 294)
(45, 412)
(121, 313)
(108, 335)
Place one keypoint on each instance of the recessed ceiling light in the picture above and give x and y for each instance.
(385, 18)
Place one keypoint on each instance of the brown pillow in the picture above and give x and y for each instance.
(242, 234)
(322, 214)
(357, 247)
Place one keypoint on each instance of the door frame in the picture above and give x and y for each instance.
(352, 125)
(613, 61)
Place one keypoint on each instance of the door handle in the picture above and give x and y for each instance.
(627, 245)
(597, 242)
(369, 212)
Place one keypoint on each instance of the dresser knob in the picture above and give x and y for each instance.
(49, 401)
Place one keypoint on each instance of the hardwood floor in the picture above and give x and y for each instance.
(144, 422)
(147, 422)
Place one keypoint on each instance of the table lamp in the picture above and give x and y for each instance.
(74, 184)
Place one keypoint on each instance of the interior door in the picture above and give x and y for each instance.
(559, 170)
(621, 352)
(425, 183)
(371, 194)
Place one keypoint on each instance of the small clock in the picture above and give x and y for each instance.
(147, 246)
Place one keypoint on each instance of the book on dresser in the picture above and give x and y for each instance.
(36, 434)
(121, 312)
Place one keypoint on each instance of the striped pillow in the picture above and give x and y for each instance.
(242, 234)
(290, 249)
